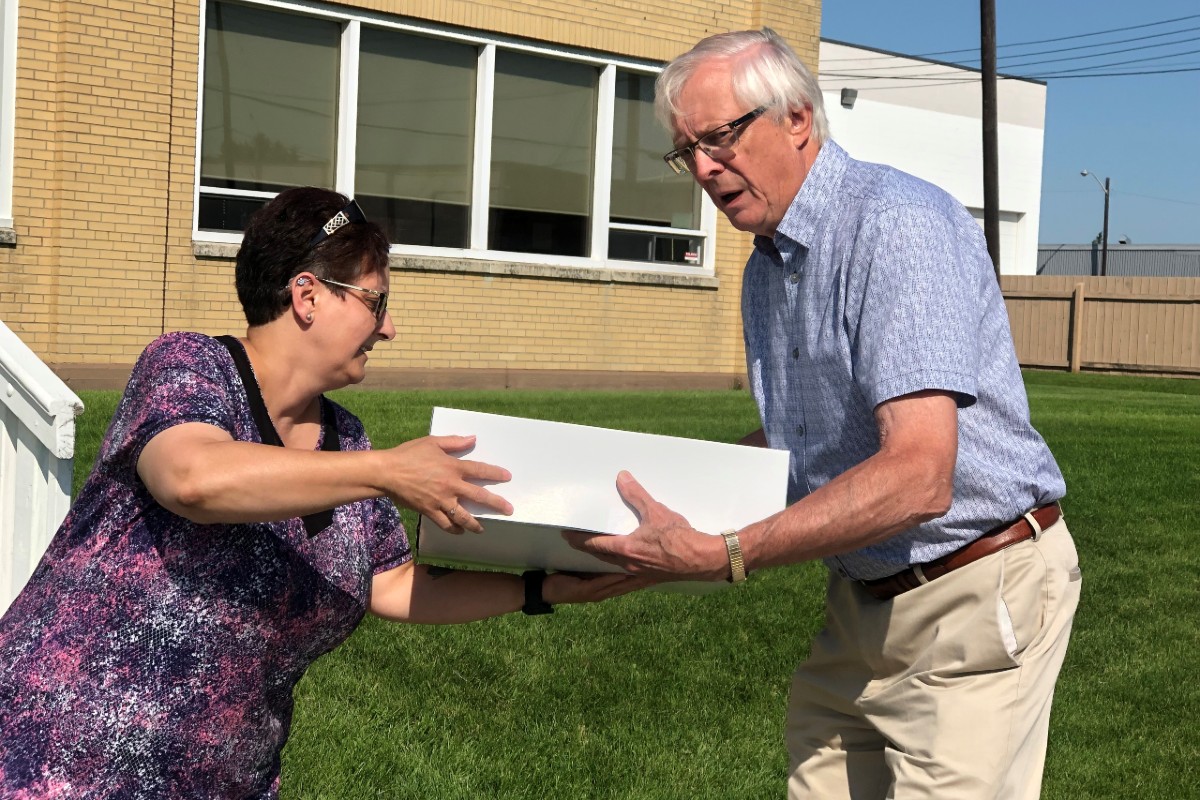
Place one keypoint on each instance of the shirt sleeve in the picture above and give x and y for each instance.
(391, 548)
(179, 378)
(915, 313)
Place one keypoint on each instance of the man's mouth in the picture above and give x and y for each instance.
(729, 197)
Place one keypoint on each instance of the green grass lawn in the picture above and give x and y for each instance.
(670, 696)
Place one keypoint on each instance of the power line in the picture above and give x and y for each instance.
(1116, 41)
(1109, 53)
(1055, 51)
(1104, 44)
(1044, 41)
(955, 74)
(938, 82)
(942, 82)
(932, 76)
(1163, 199)
(1122, 29)
(1112, 74)
(1089, 192)
(1120, 63)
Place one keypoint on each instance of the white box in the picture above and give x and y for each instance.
(564, 477)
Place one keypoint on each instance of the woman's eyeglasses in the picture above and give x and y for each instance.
(375, 299)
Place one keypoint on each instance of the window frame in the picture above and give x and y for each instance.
(8, 108)
(487, 45)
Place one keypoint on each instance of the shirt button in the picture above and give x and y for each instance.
(794, 277)
(799, 430)
(795, 352)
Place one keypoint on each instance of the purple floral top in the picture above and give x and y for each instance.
(150, 656)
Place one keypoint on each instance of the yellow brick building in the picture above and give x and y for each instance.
(507, 146)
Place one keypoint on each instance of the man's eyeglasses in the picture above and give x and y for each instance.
(351, 213)
(375, 299)
(717, 144)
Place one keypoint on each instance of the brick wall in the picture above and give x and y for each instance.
(103, 205)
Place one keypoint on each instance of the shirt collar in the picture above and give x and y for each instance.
(816, 194)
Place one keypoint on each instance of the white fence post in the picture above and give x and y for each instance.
(37, 453)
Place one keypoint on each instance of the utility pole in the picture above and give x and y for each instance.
(1106, 188)
(991, 149)
(1104, 243)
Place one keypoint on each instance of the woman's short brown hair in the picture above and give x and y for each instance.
(278, 244)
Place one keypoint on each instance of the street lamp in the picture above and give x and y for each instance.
(1104, 236)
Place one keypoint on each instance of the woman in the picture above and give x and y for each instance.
(236, 527)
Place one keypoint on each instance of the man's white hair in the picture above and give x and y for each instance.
(766, 72)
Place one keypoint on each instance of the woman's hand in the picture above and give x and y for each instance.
(423, 476)
(564, 587)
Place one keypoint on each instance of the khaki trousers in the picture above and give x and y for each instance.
(943, 691)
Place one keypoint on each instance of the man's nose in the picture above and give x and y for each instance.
(705, 165)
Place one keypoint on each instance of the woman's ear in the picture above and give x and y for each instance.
(304, 296)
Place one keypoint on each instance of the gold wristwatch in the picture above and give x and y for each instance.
(737, 565)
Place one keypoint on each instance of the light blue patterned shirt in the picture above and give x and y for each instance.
(877, 285)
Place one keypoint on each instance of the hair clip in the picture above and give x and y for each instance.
(351, 213)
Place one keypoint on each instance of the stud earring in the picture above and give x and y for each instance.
(308, 316)
(301, 281)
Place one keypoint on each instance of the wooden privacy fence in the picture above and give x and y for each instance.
(1118, 324)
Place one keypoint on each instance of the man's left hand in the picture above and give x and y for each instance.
(664, 547)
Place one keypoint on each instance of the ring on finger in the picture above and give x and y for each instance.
(452, 512)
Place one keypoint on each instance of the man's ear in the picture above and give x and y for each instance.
(800, 122)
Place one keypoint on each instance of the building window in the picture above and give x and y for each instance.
(543, 129)
(8, 107)
(270, 109)
(451, 141)
(414, 137)
(654, 213)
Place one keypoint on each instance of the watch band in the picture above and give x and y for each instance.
(534, 602)
(737, 565)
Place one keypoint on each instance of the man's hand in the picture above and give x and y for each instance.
(664, 547)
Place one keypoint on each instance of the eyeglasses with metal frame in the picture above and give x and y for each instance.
(376, 300)
(717, 144)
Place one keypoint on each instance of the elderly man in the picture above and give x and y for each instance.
(879, 355)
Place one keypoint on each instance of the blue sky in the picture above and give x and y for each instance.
(1142, 131)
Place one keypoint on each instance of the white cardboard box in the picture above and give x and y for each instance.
(564, 477)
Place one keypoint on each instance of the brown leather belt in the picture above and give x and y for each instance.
(991, 542)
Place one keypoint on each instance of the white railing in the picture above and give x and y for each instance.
(37, 452)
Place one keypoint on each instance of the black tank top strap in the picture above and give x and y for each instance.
(319, 520)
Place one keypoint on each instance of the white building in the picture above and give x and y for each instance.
(925, 117)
